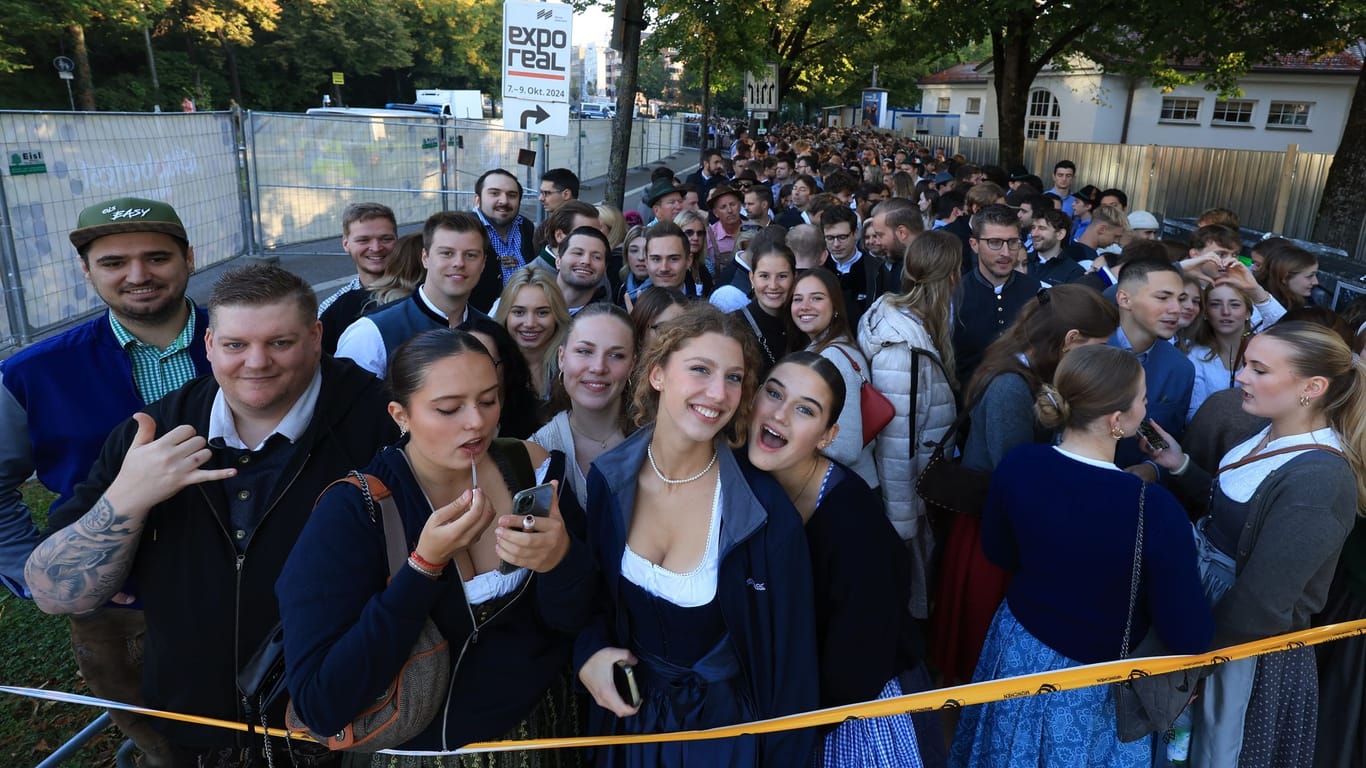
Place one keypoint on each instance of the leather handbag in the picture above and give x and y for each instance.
(945, 485)
(876, 409)
(414, 697)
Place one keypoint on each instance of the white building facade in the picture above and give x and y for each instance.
(1295, 100)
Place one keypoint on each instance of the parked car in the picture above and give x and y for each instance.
(597, 111)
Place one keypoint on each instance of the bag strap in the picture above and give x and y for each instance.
(374, 490)
(915, 395)
(852, 361)
(1136, 574)
(513, 462)
(1279, 452)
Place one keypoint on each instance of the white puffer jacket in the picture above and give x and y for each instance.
(887, 336)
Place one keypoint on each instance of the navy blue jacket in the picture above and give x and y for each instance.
(1066, 532)
(764, 587)
(347, 634)
(1170, 378)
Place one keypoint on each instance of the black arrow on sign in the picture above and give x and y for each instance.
(538, 114)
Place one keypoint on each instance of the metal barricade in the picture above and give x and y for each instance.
(61, 162)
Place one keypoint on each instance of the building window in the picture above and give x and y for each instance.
(942, 104)
(1233, 111)
(1179, 110)
(1288, 114)
(1044, 116)
(974, 106)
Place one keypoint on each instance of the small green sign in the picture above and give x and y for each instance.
(25, 162)
(430, 143)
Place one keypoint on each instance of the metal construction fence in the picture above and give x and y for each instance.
(246, 182)
(1271, 191)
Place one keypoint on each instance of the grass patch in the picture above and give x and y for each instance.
(37, 654)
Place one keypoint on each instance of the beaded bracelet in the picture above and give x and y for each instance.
(428, 572)
(425, 563)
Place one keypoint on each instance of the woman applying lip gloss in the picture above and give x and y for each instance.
(349, 627)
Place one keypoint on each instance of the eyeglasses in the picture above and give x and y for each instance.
(694, 232)
(996, 243)
(841, 238)
(743, 185)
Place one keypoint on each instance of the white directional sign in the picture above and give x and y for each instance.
(761, 89)
(536, 60)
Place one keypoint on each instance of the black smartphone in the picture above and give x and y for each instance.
(624, 678)
(1146, 431)
(534, 501)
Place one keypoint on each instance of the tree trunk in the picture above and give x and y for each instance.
(1342, 211)
(633, 24)
(85, 83)
(706, 108)
(232, 68)
(1012, 74)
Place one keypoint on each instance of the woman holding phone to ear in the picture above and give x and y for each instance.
(865, 636)
(706, 581)
(349, 627)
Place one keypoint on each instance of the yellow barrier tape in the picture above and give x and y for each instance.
(943, 698)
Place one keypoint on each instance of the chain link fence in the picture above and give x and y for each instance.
(246, 183)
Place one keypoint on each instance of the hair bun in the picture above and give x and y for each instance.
(1050, 407)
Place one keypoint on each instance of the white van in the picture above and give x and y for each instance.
(597, 111)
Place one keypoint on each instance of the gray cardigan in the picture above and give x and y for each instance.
(1300, 517)
(1002, 418)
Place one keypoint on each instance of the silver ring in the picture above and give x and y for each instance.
(529, 523)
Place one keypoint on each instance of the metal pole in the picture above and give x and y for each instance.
(13, 283)
(69, 98)
(260, 243)
(69, 749)
(239, 130)
(443, 136)
(540, 174)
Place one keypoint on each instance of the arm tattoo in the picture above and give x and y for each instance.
(81, 566)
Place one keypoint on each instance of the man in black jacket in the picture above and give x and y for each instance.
(992, 294)
(200, 498)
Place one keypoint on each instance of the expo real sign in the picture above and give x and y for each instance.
(536, 60)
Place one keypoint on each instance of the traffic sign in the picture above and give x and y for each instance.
(536, 117)
(761, 89)
(536, 60)
(63, 64)
(339, 78)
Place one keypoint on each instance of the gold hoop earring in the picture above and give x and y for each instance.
(1116, 433)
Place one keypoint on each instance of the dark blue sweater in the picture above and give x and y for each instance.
(1066, 530)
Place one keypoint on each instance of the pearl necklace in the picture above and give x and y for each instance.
(650, 454)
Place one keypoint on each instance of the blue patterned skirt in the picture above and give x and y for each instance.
(1064, 729)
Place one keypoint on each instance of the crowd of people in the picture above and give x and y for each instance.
(743, 393)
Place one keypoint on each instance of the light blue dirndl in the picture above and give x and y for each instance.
(1063, 729)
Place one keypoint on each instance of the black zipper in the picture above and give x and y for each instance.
(240, 559)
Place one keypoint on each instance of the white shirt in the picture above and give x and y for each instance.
(1239, 484)
(362, 342)
(223, 427)
(686, 590)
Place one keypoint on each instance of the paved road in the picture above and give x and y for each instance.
(326, 266)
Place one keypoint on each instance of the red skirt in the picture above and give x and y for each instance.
(971, 588)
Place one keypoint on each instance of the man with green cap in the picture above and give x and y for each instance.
(62, 397)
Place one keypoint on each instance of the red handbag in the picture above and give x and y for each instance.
(876, 409)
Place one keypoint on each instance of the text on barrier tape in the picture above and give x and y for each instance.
(943, 698)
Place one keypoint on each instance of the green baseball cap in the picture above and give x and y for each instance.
(126, 214)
